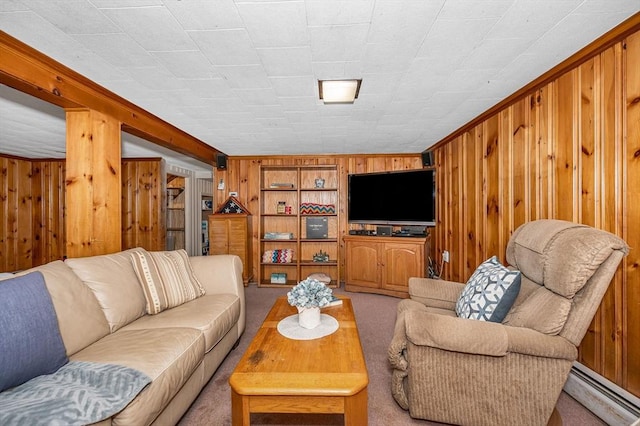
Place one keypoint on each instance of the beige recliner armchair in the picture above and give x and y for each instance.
(470, 372)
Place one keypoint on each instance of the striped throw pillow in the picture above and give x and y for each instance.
(166, 277)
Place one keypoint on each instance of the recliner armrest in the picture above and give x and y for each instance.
(482, 337)
(435, 293)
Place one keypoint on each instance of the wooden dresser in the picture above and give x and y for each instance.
(231, 234)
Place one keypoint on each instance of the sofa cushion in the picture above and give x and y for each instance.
(115, 285)
(169, 356)
(166, 277)
(31, 342)
(489, 293)
(213, 315)
(80, 317)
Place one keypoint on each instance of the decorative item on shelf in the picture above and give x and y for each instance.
(317, 227)
(230, 206)
(314, 208)
(278, 256)
(319, 183)
(321, 256)
(308, 297)
(207, 204)
(320, 276)
(278, 278)
(288, 210)
(278, 185)
(278, 235)
(281, 207)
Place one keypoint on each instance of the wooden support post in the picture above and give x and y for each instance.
(93, 184)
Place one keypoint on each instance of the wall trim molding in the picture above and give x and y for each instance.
(605, 399)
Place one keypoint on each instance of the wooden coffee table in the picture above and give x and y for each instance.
(281, 375)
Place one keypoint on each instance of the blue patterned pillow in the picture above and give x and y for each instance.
(30, 341)
(489, 293)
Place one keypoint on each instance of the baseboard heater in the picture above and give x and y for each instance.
(612, 404)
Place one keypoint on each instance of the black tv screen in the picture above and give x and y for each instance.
(393, 198)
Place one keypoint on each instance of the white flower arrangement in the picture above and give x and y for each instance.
(309, 293)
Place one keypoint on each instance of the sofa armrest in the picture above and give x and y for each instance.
(221, 274)
(482, 337)
(435, 293)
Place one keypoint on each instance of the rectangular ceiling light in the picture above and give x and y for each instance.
(339, 91)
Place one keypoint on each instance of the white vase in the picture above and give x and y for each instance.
(309, 317)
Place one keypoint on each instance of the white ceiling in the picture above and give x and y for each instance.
(241, 75)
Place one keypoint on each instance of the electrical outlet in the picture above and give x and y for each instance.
(233, 194)
(445, 256)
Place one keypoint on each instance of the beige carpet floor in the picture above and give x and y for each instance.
(375, 315)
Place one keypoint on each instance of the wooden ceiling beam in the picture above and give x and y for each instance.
(30, 71)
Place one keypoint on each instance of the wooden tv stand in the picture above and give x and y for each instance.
(383, 265)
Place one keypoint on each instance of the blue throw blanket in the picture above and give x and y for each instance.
(78, 393)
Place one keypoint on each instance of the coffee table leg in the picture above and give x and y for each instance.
(240, 415)
(355, 409)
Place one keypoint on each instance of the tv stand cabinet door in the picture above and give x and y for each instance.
(402, 261)
(363, 263)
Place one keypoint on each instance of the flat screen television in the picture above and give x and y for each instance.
(405, 197)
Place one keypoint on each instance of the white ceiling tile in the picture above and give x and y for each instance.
(468, 80)
(154, 28)
(302, 116)
(338, 12)
(338, 43)
(279, 24)
(286, 61)
(107, 4)
(379, 83)
(187, 64)
(524, 19)
(337, 70)
(118, 49)
(495, 53)
(222, 105)
(226, 47)
(156, 78)
(303, 103)
(245, 77)
(73, 16)
(597, 7)
(473, 9)
(266, 111)
(209, 88)
(294, 86)
(456, 37)
(409, 22)
(13, 6)
(257, 97)
(205, 14)
(389, 57)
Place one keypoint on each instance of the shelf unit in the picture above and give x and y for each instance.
(175, 213)
(206, 210)
(292, 186)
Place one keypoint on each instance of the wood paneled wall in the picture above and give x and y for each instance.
(32, 207)
(243, 176)
(569, 150)
(48, 188)
(144, 204)
(16, 211)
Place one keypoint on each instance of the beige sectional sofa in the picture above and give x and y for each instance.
(101, 314)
